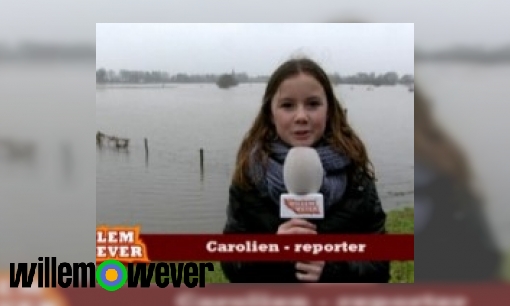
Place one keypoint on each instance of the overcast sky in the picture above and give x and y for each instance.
(254, 48)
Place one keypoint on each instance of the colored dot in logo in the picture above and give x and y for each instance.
(111, 275)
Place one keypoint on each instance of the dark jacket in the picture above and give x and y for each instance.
(454, 242)
(359, 212)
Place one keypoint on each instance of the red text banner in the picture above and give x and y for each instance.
(175, 247)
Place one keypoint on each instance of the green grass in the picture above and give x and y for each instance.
(401, 222)
(398, 222)
(216, 277)
(506, 268)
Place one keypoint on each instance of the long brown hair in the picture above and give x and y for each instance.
(433, 146)
(338, 132)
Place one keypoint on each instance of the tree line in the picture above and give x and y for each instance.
(465, 54)
(104, 76)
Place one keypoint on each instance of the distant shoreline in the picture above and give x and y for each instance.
(176, 84)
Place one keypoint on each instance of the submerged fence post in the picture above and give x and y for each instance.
(146, 151)
(201, 160)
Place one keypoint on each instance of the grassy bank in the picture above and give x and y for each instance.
(505, 273)
(399, 221)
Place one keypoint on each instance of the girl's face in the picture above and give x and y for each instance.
(299, 109)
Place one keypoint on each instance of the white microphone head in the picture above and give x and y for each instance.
(302, 171)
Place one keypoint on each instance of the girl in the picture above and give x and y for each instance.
(454, 239)
(300, 109)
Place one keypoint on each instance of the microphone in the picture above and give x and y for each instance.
(302, 175)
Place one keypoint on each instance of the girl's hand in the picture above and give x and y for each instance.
(309, 271)
(297, 226)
